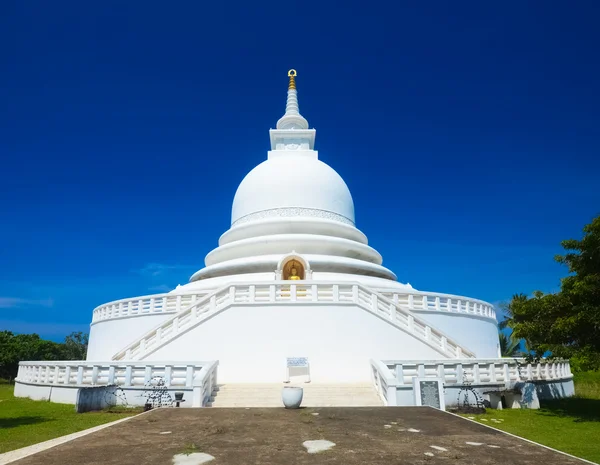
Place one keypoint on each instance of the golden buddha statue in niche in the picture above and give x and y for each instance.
(293, 271)
(294, 275)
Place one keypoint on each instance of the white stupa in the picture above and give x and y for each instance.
(293, 288)
(294, 211)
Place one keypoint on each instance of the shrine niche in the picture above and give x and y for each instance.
(293, 267)
(293, 270)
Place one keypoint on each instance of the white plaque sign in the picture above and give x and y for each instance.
(429, 392)
(297, 362)
(297, 366)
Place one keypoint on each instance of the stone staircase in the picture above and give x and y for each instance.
(315, 395)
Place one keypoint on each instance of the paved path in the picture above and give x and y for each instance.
(269, 436)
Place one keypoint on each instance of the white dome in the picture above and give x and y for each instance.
(283, 184)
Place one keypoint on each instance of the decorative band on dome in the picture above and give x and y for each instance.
(289, 212)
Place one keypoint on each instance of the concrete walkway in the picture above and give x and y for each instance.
(270, 436)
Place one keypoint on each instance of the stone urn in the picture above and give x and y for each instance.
(292, 396)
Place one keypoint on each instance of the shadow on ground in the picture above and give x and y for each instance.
(579, 408)
(20, 421)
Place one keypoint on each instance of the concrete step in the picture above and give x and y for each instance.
(315, 395)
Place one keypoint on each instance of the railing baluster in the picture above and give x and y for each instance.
(168, 373)
(441, 372)
(128, 372)
(392, 310)
(492, 369)
(374, 302)
(460, 374)
(411, 323)
(189, 376)
(476, 374)
(400, 373)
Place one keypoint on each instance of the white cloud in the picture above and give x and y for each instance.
(18, 302)
(161, 288)
(159, 269)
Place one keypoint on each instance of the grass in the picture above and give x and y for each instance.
(190, 449)
(24, 422)
(570, 425)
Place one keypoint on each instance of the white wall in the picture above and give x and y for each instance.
(475, 333)
(546, 390)
(58, 394)
(134, 396)
(252, 343)
(110, 336)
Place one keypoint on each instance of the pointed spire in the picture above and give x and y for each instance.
(292, 74)
(292, 118)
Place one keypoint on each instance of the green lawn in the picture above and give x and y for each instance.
(24, 422)
(570, 425)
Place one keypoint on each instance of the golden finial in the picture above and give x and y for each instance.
(292, 74)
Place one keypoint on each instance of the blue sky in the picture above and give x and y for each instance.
(468, 133)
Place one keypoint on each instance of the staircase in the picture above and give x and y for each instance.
(315, 395)
(284, 292)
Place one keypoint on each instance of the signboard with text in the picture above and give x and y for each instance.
(297, 362)
(297, 366)
(429, 392)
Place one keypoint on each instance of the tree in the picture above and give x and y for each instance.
(75, 346)
(18, 347)
(567, 323)
(509, 347)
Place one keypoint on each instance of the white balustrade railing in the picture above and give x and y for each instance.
(429, 301)
(384, 381)
(198, 377)
(481, 371)
(144, 305)
(301, 293)
(173, 303)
